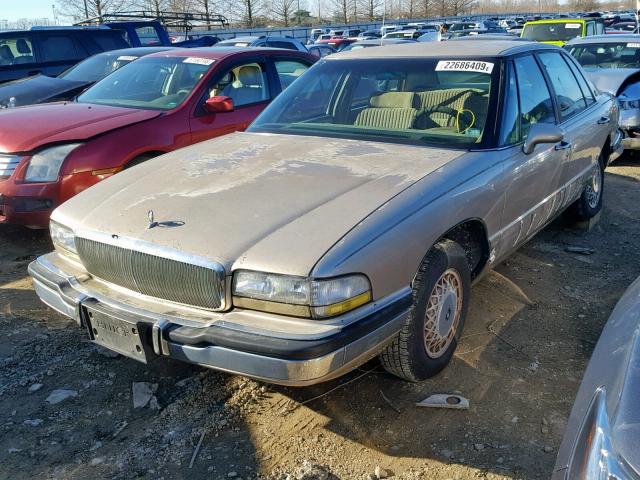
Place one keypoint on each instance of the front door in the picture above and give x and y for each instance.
(247, 84)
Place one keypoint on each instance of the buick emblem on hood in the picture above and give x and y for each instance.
(167, 224)
(151, 222)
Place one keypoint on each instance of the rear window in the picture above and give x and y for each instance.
(552, 32)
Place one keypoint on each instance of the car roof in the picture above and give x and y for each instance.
(212, 53)
(138, 51)
(490, 36)
(559, 20)
(619, 38)
(248, 38)
(496, 48)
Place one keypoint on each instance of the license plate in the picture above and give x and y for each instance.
(120, 335)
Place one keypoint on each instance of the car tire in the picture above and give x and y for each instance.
(432, 329)
(590, 202)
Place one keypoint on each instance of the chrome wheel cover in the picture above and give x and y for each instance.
(442, 316)
(593, 189)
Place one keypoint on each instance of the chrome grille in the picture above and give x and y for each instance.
(153, 275)
(8, 165)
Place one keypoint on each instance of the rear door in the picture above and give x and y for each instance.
(246, 81)
(17, 58)
(57, 51)
(580, 118)
(533, 179)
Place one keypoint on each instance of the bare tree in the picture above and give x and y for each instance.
(282, 10)
(80, 9)
(342, 10)
(370, 8)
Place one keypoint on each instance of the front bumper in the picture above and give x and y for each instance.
(617, 145)
(295, 359)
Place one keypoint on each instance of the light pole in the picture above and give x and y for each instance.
(53, 9)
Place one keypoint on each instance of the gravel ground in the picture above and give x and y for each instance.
(68, 406)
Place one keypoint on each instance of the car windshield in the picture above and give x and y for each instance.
(608, 55)
(97, 67)
(552, 32)
(409, 100)
(156, 83)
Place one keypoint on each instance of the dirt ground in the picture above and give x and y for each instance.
(533, 323)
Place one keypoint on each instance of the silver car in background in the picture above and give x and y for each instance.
(602, 438)
(612, 63)
(349, 221)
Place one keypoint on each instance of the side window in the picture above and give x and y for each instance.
(148, 36)
(57, 48)
(568, 93)
(599, 28)
(533, 94)
(510, 133)
(591, 30)
(289, 70)
(245, 84)
(584, 85)
(109, 41)
(16, 50)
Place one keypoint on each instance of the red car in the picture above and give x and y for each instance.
(336, 42)
(164, 101)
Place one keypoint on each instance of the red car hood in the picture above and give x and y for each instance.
(27, 128)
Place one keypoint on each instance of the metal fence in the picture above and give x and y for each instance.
(303, 33)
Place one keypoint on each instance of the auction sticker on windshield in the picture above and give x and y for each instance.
(573, 25)
(464, 66)
(633, 45)
(126, 58)
(199, 60)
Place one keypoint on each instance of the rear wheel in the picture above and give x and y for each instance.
(431, 332)
(590, 202)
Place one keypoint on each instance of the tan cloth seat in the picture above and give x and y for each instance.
(456, 98)
(395, 110)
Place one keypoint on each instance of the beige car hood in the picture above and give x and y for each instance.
(257, 201)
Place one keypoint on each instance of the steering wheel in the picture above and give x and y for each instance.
(183, 91)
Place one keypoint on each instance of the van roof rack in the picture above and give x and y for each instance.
(184, 20)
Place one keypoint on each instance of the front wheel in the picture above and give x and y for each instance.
(432, 329)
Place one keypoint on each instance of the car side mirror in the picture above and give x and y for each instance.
(219, 104)
(542, 133)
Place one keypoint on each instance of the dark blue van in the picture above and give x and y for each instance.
(52, 50)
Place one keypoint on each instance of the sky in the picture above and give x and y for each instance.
(13, 9)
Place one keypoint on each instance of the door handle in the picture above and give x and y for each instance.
(604, 120)
(562, 146)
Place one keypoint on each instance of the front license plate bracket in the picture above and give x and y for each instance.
(122, 335)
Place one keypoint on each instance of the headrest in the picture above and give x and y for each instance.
(23, 47)
(250, 75)
(394, 100)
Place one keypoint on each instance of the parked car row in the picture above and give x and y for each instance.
(153, 105)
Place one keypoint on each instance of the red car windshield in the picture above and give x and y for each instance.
(155, 83)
